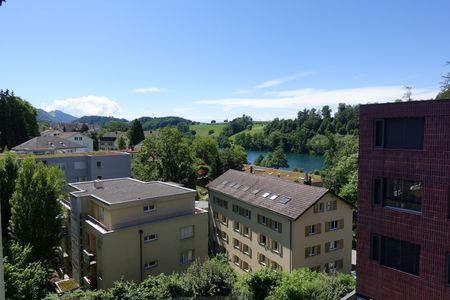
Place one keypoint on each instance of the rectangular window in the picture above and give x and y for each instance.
(236, 260)
(247, 232)
(312, 251)
(242, 211)
(276, 247)
(236, 244)
(245, 266)
(262, 240)
(331, 205)
(149, 208)
(186, 232)
(262, 259)
(272, 224)
(399, 133)
(246, 249)
(101, 214)
(150, 265)
(312, 229)
(150, 238)
(334, 245)
(79, 165)
(187, 256)
(81, 178)
(396, 254)
(334, 225)
(403, 194)
(223, 220)
(99, 164)
(220, 202)
(237, 226)
(319, 207)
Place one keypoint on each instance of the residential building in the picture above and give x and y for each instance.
(51, 132)
(266, 221)
(110, 140)
(48, 145)
(128, 229)
(403, 249)
(90, 165)
(79, 138)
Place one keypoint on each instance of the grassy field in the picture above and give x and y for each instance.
(256, 128)
(203, 129)
(287, 175)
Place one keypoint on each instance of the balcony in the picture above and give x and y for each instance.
(90, 282)
(89, 258)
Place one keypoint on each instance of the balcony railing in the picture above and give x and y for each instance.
(89, 257)
(96, 222)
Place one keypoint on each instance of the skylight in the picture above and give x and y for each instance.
(254, 192)
(284, 199)
(225, 182)
(273, 197)
(245, 188)
(265, 195)
(237, 185)
(231, 184)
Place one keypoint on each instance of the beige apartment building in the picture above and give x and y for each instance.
(266, 221)
(126, 228)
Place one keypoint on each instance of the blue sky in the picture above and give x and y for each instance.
(220, 59)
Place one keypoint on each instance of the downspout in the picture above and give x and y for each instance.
(140, 254)
(290, 244)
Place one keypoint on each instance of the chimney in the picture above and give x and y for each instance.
(98, 184)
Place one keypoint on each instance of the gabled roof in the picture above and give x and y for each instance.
(42, 143)
(292, 199)
(66, 135)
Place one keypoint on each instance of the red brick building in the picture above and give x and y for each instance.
(404, 201)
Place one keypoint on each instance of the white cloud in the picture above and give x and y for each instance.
(275, 82)
(88, 105)
(149, 90)
(182, 109)
(313, 97)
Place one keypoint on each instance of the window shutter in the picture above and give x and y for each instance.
(306, 252)
(334, 205)
(327, 226)
(339, 264)
(318, 250)
(307, 230)
(340, 244)
(327, 268)
(316, 208)
(341, 223)
(279, 227)
(327, 247)
(319, 228)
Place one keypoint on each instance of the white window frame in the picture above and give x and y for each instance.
(248, 231)
(312, 251)
(312, 230)
(333, 245)
(248, 251)
(189, 256)
(150, 238)
(238, 229)
(150, 265)
(335, 222)
(262, 259)
(236, 244)
(277, 248)
(184, 232)
(260, 240)
(236, 260)
(149, 208)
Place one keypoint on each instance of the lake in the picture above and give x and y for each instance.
(296, 160)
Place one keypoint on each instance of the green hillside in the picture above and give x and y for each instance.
(203, 129)
(256, 128)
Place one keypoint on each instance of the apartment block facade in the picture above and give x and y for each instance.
(265, 221)
(125, 228)
(90, 166)
(403, 249)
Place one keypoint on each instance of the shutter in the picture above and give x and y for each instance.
(316, 208)
(279, 227)
(327, 226)
(339, 264)
(341, 223)
(327, 247)
(327, 268)
(318, 228)
(306, 252)
(307, 230)
(334, 205)
(340, 244)
(269, 243)
(318, 250)
(259, 218)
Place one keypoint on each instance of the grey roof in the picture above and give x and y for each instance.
(299, 197)
(69, 134)
(42, 143)
(121, 190)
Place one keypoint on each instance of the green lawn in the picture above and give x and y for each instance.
(203, 129)
(257, 128)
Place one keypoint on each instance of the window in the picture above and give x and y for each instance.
(216, 216)
(149, 208)
(312, 251)
(396, 254)
(246, 231)
(81, 178)
(237, 226)
(101, 214)
(99, 164)
(262, 259)
(150, 238)
(245, 266)
(398, 193)
(276, 247)
(272, 224)
(223, 219)
(262, 240)
(187, 256)
(331, 205)
(334, 225)
(220, 202)
(315, 269)
(319, 207)
(242, 211)
(99, 177)
(236, 260)
(275, 266)
(61, 166)
(246, 249)
(399, 133)
(236, 244)
(312, 229)
(334, 245)
(265, 195)
(186, 232)
(224, 236)
(150, 265)
(334, 266)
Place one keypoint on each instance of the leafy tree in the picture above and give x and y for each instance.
(9, 168)
(121, 143)
(262, 282)
(146, 165)
(35, 201)
(259, 160)
(276, 159)
(113, 126)
(237, 125)
(206, 150)
(233, 157)
(24, 278)
(213, 121)
(175, 156)
(136, 133)
(84, 128)
(17, 120)
(211, 131)
(445, 86)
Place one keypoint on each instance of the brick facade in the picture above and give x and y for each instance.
(429, 228)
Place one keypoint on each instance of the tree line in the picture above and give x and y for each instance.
(215, 278)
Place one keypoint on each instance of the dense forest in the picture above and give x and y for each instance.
(305, 134)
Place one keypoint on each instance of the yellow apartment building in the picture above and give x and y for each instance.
(126, 228)
(266, 221)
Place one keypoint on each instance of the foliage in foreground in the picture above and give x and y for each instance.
(216, 278)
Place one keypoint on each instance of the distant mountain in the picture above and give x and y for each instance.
(55, 116)
(98, 120)
(149, 123)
